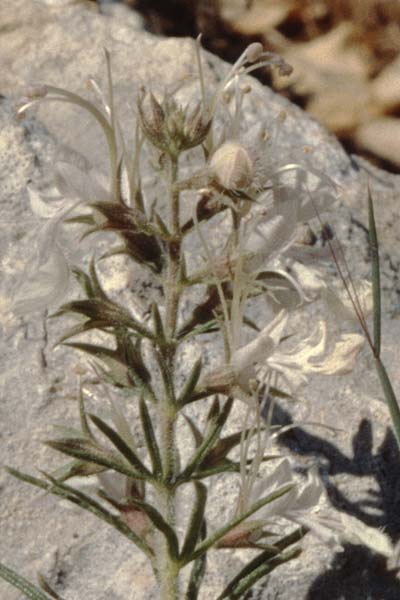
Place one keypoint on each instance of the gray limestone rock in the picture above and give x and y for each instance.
(62, 45)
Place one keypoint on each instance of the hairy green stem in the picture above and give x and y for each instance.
(167, 566)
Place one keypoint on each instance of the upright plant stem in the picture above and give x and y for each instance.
(168, 569)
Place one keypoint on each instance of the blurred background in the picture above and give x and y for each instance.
(345, 54)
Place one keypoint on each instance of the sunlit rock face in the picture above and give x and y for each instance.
(62, 44)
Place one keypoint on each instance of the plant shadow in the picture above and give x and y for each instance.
(356, 573)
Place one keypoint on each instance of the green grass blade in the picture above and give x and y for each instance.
(390, 397)
(376, 282)
(28, 589)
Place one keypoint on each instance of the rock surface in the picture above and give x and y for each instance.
(63, 46)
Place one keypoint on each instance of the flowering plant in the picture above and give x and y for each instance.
(264, 265)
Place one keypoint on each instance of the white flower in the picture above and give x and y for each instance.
(298, 502)
(304, 505)
(309, 356)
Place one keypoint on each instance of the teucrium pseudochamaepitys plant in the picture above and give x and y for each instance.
(243, 291)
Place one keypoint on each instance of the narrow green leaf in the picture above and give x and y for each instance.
(223, 447)
(131, 355)
(376, 282)
(197, 435)
(81, 219)
(121, 445)
(110, 358)
(158, 324)
(85, 502)
(261, 558)
(266, 565)
(28, 589)
(109, 312)
(82, 328)
(87, 451)
(390, 397)
(214, 410)
(225, 466)
(163, 229)
(150, 437)
(196, 521)
(208, 442)
(198, 570)
(186, 393)
(84, 281)
(204, 546)
(77, 468)
(160, 523)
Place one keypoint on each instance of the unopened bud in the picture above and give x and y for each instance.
(254, 51)
(232, 166)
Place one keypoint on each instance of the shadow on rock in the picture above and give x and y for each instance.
(355, 573)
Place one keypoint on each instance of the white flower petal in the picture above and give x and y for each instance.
(342, 358)
(244, 360)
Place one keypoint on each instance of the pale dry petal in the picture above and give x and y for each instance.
(245, 359)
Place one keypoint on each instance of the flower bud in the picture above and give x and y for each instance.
(254, 52)
(232, 166)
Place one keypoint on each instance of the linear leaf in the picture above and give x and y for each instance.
(204, 546)
(390, 396)
(85, 502)
(160, 523)
(266, 566)
(87, 451)
(158, 324)
(198, 571)
(196, 521)
(28, 589)
(208, 442)
(150, 437)
(261, 558)
(376, 281)
(77, 468)
(121, 445)
(190, 384)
